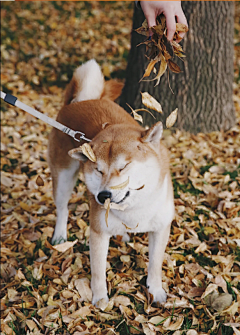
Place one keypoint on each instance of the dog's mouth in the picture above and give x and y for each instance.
(124, 198)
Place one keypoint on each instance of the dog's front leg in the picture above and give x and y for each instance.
(157, 245)
(98, 257)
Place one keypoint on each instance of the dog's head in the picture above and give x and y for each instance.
(127, 165)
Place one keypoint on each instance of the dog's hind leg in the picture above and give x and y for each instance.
(64, 180)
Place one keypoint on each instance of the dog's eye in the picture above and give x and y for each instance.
(124, 167)
(99, 171)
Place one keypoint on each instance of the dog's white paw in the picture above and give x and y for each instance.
(125, 237)
(97, 298)
(59, 237)
(159, 295)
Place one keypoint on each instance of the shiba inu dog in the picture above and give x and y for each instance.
(131, 169)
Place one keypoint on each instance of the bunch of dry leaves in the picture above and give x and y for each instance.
(45, 289)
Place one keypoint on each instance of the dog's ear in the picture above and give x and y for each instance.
(77, 154)
(112, 89)
(154, 134)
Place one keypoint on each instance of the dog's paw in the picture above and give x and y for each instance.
(59, 238)
(159, 295)
(97, 299)
(125, 237)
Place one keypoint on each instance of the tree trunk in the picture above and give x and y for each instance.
(203, 90)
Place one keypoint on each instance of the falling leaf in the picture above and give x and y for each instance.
(171, 119)
(88, 152)
(151, 102)
(138, 117)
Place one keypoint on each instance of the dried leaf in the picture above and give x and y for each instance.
(84, 290)
(150, 102)
(150, 68)
(88, 152)
(39, 181)
(107, 207)
(181, 27)
(176, 325)
(64, 246)
(221, 302)
(120, 186)
(173, 66)
(171, 119)
(162, 69)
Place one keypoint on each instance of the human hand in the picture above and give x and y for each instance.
(170, 9)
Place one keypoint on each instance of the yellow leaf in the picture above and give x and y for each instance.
(171, 119)
(25, 206)
(107, 207)
(64, 246)
(88, 152)
(150, 68)
(151, 102)
(181, 27)
(120, 186)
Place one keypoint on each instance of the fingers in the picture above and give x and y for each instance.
(171, 25)
(181, 19)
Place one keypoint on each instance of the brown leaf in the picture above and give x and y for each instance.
(173, 66)
(162, 69)
(39, 181)
(149, 68)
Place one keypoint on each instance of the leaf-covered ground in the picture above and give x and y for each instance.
(45, 291)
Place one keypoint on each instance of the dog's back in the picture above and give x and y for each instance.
(89, 101)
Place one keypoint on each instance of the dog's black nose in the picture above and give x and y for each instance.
(104, 195)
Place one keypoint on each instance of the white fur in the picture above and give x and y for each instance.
(91, 81)
(149, 209)
(66, 181)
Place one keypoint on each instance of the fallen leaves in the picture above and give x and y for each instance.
(47, 291)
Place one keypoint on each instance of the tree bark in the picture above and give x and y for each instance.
(203, 90)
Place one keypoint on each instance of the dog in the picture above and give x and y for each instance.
(130, 170)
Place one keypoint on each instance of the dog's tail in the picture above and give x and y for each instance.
(88, 83)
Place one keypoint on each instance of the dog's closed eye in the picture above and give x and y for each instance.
(124, 167)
